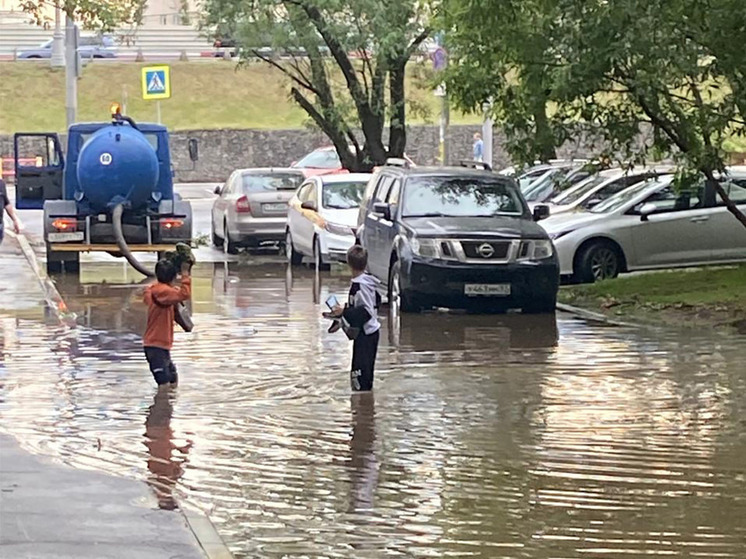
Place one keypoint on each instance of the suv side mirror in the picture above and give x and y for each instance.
(218, 190)
(382, 210)
(193, 149)
(541, 211)
(309, 205)
(646, 210)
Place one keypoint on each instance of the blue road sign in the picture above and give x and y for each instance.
(156, 82)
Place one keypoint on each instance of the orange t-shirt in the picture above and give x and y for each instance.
(160, 329)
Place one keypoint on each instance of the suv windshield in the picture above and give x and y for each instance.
(460, 197)
(320, 159)
(271, 181)
(342, 195)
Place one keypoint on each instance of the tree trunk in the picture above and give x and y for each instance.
(543, 136)
(397, 123)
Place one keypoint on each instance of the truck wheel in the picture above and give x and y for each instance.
(229, 246)
(397, 297)
(54, 266)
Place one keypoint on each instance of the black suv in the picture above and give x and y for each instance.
(456, 237)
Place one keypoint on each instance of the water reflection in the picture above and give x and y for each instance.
(166, 459)
(489, 436)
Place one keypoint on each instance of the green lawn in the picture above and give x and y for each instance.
(206, 95)
(715, 296)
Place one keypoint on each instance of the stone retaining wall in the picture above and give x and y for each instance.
(222, 151)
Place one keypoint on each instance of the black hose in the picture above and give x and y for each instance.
(116, 219)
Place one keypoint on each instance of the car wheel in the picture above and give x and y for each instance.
(599, 261)
(397, 298)
(294, 258)
(216, 241)
(541, 305)
(229, 246)
(317, 259)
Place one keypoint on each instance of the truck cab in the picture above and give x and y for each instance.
(78, 196)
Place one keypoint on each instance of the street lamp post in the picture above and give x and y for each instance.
(58, 43)
(71, 71)
(487, 132)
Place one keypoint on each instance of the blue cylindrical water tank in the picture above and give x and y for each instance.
(117, 163)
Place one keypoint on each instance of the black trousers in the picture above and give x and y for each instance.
(163, 369)
(364, 351)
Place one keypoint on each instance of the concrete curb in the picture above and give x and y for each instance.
(52, 297)
(598, 317)
(207, 535)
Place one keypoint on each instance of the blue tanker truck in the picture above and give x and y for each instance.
(113, 192)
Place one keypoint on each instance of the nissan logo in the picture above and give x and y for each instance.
(486, 250)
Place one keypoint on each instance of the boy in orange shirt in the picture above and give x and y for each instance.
(161, 297)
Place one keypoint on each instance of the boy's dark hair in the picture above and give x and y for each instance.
(165, 272)
(357, 258)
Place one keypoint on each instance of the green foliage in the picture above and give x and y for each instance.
(92, 14)
(345, 61)
(641, 80)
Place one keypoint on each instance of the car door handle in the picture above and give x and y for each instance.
(700, 219)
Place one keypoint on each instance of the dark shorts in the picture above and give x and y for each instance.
(163, 369)
(364, 350)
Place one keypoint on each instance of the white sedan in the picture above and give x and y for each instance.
(322, 217)
(651, 225)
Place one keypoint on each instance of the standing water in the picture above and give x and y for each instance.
(486, 436)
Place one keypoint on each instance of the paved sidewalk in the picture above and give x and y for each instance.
(52, 511)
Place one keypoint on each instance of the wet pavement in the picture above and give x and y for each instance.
(486, 436)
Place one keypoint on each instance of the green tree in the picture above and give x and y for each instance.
(497, 50)
(663, 64)
(345, 61)
(92, 14)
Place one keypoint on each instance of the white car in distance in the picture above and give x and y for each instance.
(652, 225)
(322, 218)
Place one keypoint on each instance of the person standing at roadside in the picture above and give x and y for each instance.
(7, 207)
(478, 147)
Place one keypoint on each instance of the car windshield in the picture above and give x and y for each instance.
(578, 191)
(622, 198)
(256, 182)
(527, 179)
(320, 159)
(342, 195)
(548, 186)
(460, 197)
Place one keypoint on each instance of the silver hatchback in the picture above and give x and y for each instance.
(252, 206)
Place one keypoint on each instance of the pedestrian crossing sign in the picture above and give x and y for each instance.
(156, 82)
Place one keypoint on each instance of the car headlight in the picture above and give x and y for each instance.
(535, 250)
(337, 229)
(427, 248)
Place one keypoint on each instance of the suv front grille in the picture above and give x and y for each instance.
(486, 250)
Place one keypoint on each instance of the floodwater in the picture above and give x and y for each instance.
(486, 436)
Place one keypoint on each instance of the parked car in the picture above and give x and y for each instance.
(456, 237)
(252, 206)
(556, 181)
(648, 226)
(528, 176)
(322, 218)
(89, 46)
(325, 161)
(595, 189)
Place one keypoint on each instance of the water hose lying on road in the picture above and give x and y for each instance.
(116, 219)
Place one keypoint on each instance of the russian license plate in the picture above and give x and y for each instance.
(274, 207)
(489, 289)
(65, 237)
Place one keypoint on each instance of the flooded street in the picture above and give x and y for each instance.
(486, 436)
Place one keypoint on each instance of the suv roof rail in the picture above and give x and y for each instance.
(476, 165)
(398, 162)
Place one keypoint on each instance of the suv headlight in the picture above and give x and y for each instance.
(535, 250)
(427, 248)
